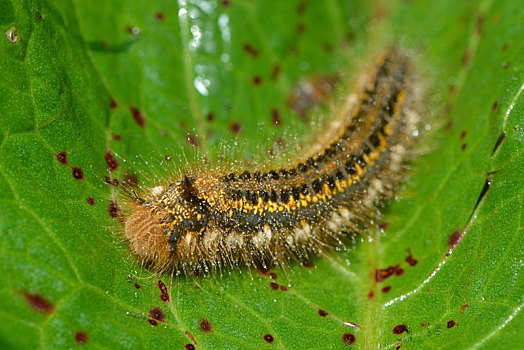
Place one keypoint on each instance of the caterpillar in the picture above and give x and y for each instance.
(205, 219)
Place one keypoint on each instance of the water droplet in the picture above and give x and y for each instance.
(11, 34)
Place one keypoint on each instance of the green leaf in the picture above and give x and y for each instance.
(84, 78)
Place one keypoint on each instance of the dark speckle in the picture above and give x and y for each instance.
(301, 7)
(113, 104)
(62, 157)
(275, 114)
(114, 210)
(480, 23)
(383, 274)
(386, 289)
(464, 307)
(78, 173)
(410, 260)
(463, 147)
(401, 328)
(269, 338)
(463, 134)
(257, 80)
(275, 73)
(90, 201)
(112, 164)
(81, 337)
(236, 127)
(152, 322)
(466, 58)
(328, 48)
(137, 116)
(495, 104)
(190, 347)
(301, 27)
(137, 286)
(251, 50)
(164, 295)
(348, 338)
(454, 239)
(322, 313)
(399, 271)
(423, 324)
(156, 314)
(117, 137)
(398, 346)
(505, 65)
(226, 3)
(205, 326)
(450, 324)
(274, 285)
(210, 117)
(160, 16)
(273, 275)
(504, 47)
(370, 294)
(39, 303)
(308, 263)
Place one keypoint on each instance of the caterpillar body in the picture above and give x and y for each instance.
(207, 219)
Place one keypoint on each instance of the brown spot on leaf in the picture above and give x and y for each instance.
(371, 294)
(466, 58)
(455, 238)
(275, 72)
(505, 65)
(257, 80)
(463, 308)
(152, 322)
(210, 117)
(205, 326)
(463, 147)
(463, 135)
(137, 116)
(401, 328)
(348, 338)
(322, 313)
(251, 50)
(269, 338)
(450, 324)
(226, 3)
(90, 201)
(156, 314)
(114, 210)
(386, 289)
(78, 173)
(190, 347)
(137, 286)
(480, 23)
(112, 103)
(39, 303)
(410, 260)
(383, 274)
(301, 7)
(164, 295)
(62, 157)
(308, 263)
(236, 127)
(111, 162)
(275, 114)
(160, 16)
(81, 337)
(117, 137)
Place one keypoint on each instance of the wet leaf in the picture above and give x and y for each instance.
(86, 86)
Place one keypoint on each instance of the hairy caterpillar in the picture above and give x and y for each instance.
(206, 219)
